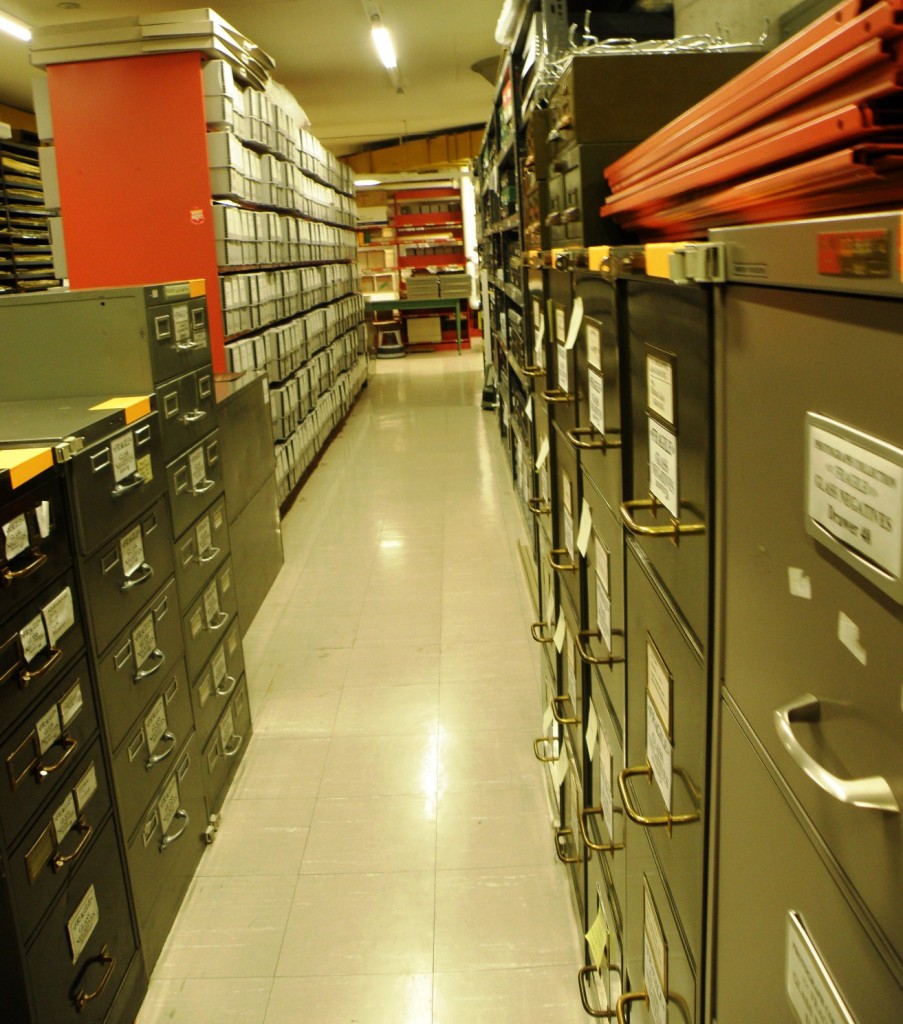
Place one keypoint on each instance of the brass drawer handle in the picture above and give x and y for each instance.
(591, 659)
(674, 529)
(27, 675)
(534, 371)
(666, 820)
(170, 839)
(170, 738)
(538, 507)
(141, 575)
(536, 633)
(629, 997)
(560, 834)
(561, 566)
(61, 860)
(158, 658)
(589, 812)
(555, 396)
(42, 770)
(582, 975)
(597, 441)
(10, 575)
(135, 481)
(82, 998)
(537, 744)
(557, 717)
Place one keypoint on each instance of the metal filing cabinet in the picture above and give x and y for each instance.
(813, 607)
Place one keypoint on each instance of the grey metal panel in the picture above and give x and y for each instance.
(567, 494)
(208, 618)
(670, 326)
(584, 190)
(41, 865)
(227, 746)
(147, 752)
(178, 337)
(102, 503)
(769, 864)
(124, 687)
(187, 410)
(194, 566)
(257, 550)
(53, 978)
(661, 659)
(166, 848)
(36, 767)
(215, 683)
(798, 618)
(111, 597)
(246, 438)
(195, 479)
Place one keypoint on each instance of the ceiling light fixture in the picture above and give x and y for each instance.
(382, 40)
(365, 182)
(14, 27)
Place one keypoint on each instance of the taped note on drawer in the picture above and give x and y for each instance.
(59, 615)
(15, 534)
(122, 452)
(33, 638)
(131, 551)
(82, 923)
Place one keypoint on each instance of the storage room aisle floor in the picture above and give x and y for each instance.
(386, 855)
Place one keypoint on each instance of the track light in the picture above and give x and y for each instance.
(383, 42)
(14, 27)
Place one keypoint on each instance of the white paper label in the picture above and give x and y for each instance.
(205, 690)
(659, 683)
(204, 535)
(33, 638)
(572, 673)
(660, 388)
(528, 409)
(655, 962)
(799, 583)
(659, 752)
(15, 533)
(594, 347)
(560, 325)
(217, 518)
(543, 453)
(601, 562)
(219, 666)
(48, 729)
(586, 528)
(563, 379)
(597, 938)
(811, 991)
(181, 326)
(169, 803)
(71, 704)
(605, 783)
(196, 467)
(575, 324)
(227, 727)
(59, 615)
(592, 731)
(146, 468)
(85, 788)
(848, 634)
(144, 640)
(131, 550)
(122, 452)
(155, 724)
(64, 817)
(561, 630)
(663, 466)
(597, 400)
(42, 514)
(856, 495)
(545, 491)
(540, 336)
(603, 613)
(567, 499)
(211, 603)
(82, 923)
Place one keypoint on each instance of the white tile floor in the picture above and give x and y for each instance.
(385, 855)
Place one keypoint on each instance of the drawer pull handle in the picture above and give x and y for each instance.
(534, 371)
(653, 821)
(61, 859)
(204, 487)
(589, 812)
(536, 632)
(158, 658)
(237, 741)
(11, 575)
(140, 575)
(582, 975)
(561, 566)
(189, 346)
(43, 770)
(135, 481)
(221, 619)
(538, 507)
(591, 659)
(170, 738)
(208, 556)
(27, 675)
(560, 835)
(182, 815)
(629, 997)
(537, 745)
(82, 998)
(873, 793)
(597, 441)
(557, 717)
(555, 396)
(193, 416)
(673, 530)
(226, 691)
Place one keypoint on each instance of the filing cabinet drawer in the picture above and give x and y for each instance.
(37, 755)
(536, 327)
(54, 847)
(601, 981)
(86, 944)
(178, 337)
(667, 729)
(549, 594)
(567, 499)
(226, 746)
(583, 191)
(569, 846)
(147, 752)
(119, 577)
(543, 481)
(195, 479)
(206, 621)
(558, 317)
(201, 550)
(568, 707)
(145, 652)
(773, 889)
(114, 480)
(34, 541)
(187, 410)
(549, 746)
(603, 412)
(37, 643)
(603, 641)
(166, 848)
(671, 439)
(217, 681)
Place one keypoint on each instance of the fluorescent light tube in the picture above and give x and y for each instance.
(14, 28)
(383, 42)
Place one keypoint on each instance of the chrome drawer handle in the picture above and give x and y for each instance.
(193, 416)
(135, 481)
(140, 575)
(873, 793)
(221, 619)
(589, 812)
(170, 738)
(159, 658)
(237, 740)
(673, 530)
(597, 441)
(204, 487)
(11, 575)
(82, 998)
(534, 371)
(207, 556)
(582, 975)
(189, 346)
(228, 690)
(169, 840)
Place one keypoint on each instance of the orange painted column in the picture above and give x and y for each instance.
(131, 151)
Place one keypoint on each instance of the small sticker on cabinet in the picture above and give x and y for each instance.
(169, 803)
(204, 536)
(563, 376)
(659, 752)
(848, 634)
(528, 409)
(48, 729)
(660, 388)
(85, 788)
(800, 584)
(42, 515)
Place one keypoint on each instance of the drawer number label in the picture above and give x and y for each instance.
(49, 729)
(59, 615)
(64, 817)
(144, 640)
(15, 534)
(169, 803)
(82, 923)
(33, 638)
(122, 449)
(131, 549)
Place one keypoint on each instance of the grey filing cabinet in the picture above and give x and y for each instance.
(809, 848)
